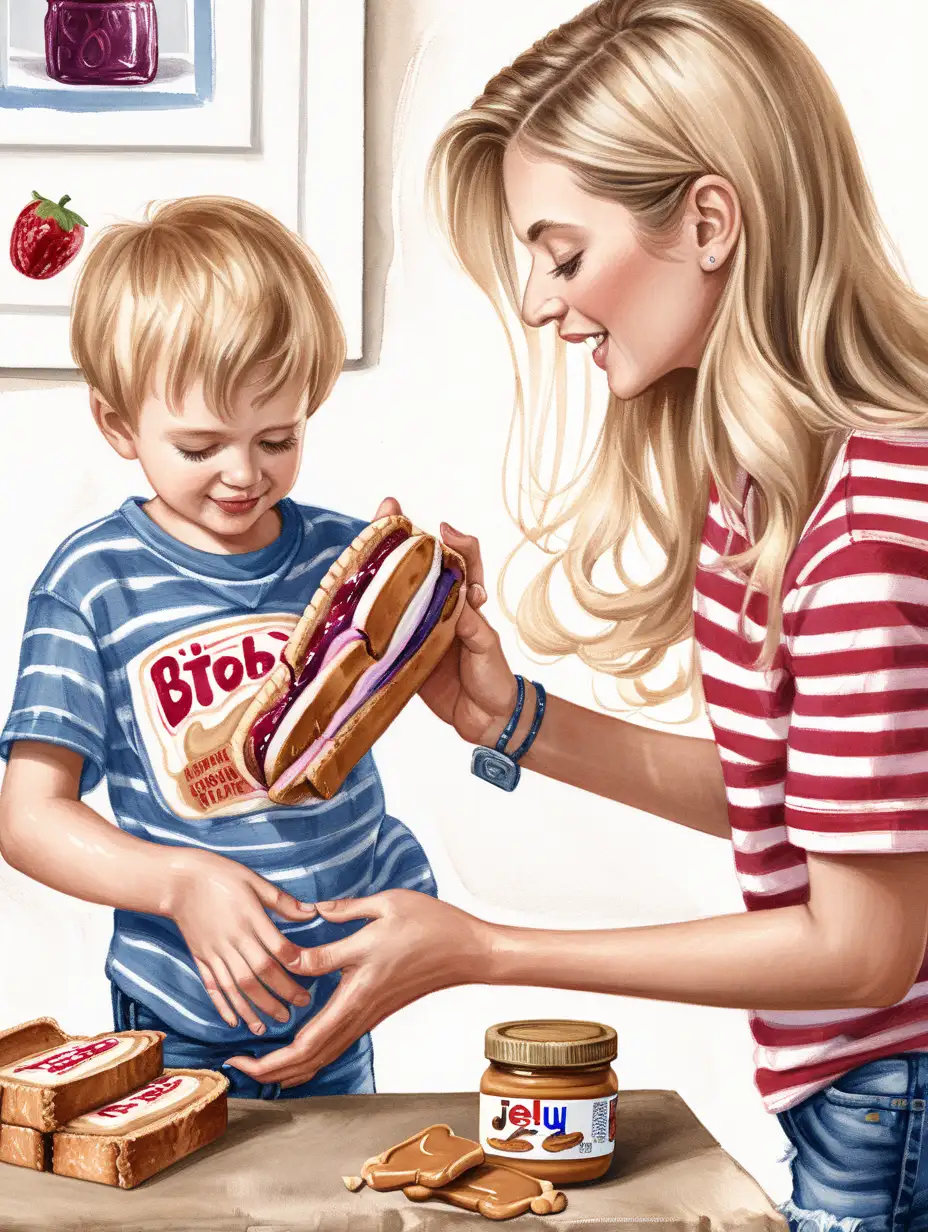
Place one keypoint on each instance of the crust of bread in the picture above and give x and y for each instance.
(25, 1148)
(464, 1154)
(37, 1035)
(277, 683)
(48, 1108)
(355, 738)
(326, 774)
(125, 1160)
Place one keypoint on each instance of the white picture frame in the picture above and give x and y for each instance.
(303, 61)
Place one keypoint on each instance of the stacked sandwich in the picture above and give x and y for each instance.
(377, 626)
(101, 1108)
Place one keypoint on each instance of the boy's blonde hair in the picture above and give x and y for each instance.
(816, 333)
(205, 288)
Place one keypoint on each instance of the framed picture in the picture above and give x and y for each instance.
(119, 103)
(78, 56)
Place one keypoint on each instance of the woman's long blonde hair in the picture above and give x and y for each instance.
(816, 332)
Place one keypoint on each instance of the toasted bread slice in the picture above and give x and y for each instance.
(25, 1148)
(47, 1077)
(496, 1192)
(126, 1142)
(434, 1156)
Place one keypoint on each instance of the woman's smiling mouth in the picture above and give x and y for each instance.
(598, 344)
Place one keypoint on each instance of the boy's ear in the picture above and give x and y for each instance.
(113, 426)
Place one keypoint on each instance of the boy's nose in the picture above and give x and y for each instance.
(241, 472)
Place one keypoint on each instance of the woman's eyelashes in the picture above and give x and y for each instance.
(201, 455)
(569, 268)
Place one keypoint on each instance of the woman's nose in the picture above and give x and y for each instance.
(539, 307)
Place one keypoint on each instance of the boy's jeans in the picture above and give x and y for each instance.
(857, 1157)
(351, 1074)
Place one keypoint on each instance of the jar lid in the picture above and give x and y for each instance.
(550, 1043)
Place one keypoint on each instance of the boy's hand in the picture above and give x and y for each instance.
(221, 909)
(414, 945)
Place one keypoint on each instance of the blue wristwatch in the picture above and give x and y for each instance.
(495, 765)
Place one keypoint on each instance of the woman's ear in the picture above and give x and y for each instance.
(716, 213)
(114, 427)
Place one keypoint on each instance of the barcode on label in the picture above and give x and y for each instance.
(600, 1128)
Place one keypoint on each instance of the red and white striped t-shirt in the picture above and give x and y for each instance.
(828, 751)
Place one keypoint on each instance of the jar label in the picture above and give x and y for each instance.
(547, 1128)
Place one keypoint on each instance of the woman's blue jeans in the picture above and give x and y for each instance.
(857, 1156)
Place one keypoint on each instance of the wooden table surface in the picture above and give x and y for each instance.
(279, 1169)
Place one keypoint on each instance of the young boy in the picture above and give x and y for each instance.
(207, 338)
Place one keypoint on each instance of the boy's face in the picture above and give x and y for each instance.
(216, 480)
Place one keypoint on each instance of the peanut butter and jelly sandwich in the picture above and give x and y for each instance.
(128, 1140)
(379, 623)
(48, 1077)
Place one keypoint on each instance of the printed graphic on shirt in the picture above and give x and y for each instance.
(189, 692)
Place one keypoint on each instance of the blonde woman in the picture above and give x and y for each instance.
(685, 184)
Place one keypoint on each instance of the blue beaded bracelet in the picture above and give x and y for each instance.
(495, 765)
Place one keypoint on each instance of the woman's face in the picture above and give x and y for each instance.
(644, 312)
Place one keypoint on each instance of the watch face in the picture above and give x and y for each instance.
(495, 768)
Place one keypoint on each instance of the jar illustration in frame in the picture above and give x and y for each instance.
(101, 42)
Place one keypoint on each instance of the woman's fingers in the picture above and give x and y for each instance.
(479, 637)
(337, 1025)
(343, 1020)
(370, 907)
(388, 508)
(279, 1060)
(468, 547)
(211, 985)
(326, 959)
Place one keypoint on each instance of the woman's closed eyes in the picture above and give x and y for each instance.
(569, 268)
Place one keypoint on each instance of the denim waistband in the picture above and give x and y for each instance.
(899, 1081)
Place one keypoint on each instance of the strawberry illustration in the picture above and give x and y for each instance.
(46, 237)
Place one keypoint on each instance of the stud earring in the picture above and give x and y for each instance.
(712, 260)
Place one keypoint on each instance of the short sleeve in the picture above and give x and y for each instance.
(856, 632)
(60, 695)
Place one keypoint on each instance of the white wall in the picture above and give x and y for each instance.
(428, 424)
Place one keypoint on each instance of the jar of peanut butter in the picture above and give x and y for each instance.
(547, 1099)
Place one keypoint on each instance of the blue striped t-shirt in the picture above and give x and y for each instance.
(140, 653)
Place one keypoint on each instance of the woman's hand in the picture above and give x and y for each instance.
(472, 688)
(221, 909)
(413, 946)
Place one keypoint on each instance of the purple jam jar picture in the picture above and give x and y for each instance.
(101, 42)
